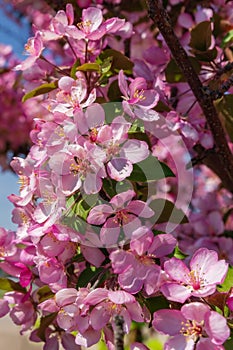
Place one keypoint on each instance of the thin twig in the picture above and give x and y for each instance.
(223, 163)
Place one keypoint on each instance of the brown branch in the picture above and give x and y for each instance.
(119, 332)
(222, 162)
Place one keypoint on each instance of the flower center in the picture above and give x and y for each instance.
(23, 181)
(79, 166)
(146, 260)
(195, 280)
(24, 218)
(139, 95)
(85, 26)
(121, 218)
(29, 46)
(192, 329)
(59, 132)
(113, 149)
(93, 135)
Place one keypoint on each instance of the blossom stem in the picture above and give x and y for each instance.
(71, 47)
(56, 67)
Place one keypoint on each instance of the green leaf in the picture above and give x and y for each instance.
(40, 90)
(89, 67)
(106, 65)
(225, 108)
(157, 303)
(82, 209)
(89, 276)
(74, 69)
(179, 254)
(206, 56)
(228, 345)
(8, 285)
(166, 211)
(119, 61)
(44, 293)
(114, 92)
(155, 344)
(150, 169)
(80, 206)
(113, 109)
(109, 186)
(228, 39)
(44, 323)
(201, 36)
(228, 282)
(174, 74)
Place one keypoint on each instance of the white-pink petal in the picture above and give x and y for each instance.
(134, 150)
(99, 214)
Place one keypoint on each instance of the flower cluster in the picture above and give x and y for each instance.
(102, 231)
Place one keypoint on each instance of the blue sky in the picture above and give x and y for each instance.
(16, 36)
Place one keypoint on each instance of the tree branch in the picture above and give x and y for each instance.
(222, 162)
(119, 332)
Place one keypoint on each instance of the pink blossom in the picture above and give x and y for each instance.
(79, 166)
(8, 247)
(52, 202)
(93, 27)
(195, 326)
(4, 307)
(121, 153)
(121, 213)
(51, 272)
(138, 99)
(136, 268)
(90, 121)
(34, 47)
(27, 179)
(62, 25)
(109, 303)
(72, 95)
(205, 272)
(23, 314)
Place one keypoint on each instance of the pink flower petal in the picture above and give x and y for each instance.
(99, 214)
(93, 255)
(121, 199)
(120, 297)
(99, 317)
(175, 292)
(88, 338)
(96, 296)
(135, 151)
(195, 311)
(66, 296)
(177, 270)
(119, 168)
(140, 208)
(168, 321)
(217, 328)
(162, 245)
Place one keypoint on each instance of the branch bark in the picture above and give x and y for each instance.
(222, 161)
(119, 332)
